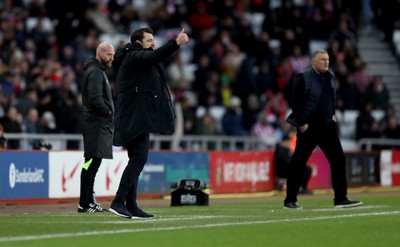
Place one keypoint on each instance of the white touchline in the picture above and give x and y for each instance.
(355, 208)
(64, 235)
(136, 220)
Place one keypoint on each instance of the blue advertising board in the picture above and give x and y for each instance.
(164, 168)
(24, 175)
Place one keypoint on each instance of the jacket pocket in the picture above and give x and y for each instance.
(152, 101)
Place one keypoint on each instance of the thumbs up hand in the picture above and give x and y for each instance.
(182, 38)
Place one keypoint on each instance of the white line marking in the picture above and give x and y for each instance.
(339, 209)
(131, 221)
(93, 233)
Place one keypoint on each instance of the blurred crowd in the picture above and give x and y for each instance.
(235, 79)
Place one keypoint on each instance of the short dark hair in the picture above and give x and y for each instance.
(139, 33)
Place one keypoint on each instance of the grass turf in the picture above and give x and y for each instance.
(259, 223)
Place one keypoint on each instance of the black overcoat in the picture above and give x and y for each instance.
(142, 100)
(98, 111)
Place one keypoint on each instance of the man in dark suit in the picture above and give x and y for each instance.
(313, 106)
(143, 106)
(98, 116)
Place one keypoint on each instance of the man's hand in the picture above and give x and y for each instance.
(303, 128)
(182, 38)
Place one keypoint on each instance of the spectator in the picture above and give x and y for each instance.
(350, 53)
(2, 139)
(392, 130)
(201, 73)
(261, 50)
(12, 123)
(188, 106)
(343, 33)
(350, 93)
(207, 126)
(232, 121)
(361, 76)
(298, 61)
(179, 73)
(265, 79)
(200, 19)
(31, 126)
(209, 93)
(366, 125)
(232, 61)
(47, 123)
(6, 91)
(384, 121)
(377, 93)
(71, 111)
(251, 111)
(24, 104)
(264, 129)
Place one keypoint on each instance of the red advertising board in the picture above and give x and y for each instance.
(240, 172)
(390, 168)
(395, 168)
(321, 174)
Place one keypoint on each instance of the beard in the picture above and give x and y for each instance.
(106, 63)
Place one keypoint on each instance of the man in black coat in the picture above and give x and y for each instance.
(143, 106)
(98, 116)
(313, 106)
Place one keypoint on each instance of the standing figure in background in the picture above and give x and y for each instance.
(313, 106)
(3, 140)
(232, 120)
(98, 117)
(12, 123)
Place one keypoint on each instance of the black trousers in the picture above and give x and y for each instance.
(138, 151)
(88, 175)
(328, 141)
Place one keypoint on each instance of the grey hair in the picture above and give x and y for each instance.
(316, 52)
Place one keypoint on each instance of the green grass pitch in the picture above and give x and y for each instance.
(241, 223)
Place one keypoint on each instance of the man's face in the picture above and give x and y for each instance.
(107, 56)
(321, 62)
(147, 41)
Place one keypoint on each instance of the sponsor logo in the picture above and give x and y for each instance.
(246, 172)
(396, 168)
(154, 168)
(115, 172)
(68, 177)
(26, 175)
(188, 199)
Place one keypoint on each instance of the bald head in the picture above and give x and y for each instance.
(105, 53)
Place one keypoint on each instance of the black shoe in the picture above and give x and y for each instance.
(119, 209)
(138, 213)
(92, 208)
(292, 205)
(348, 204)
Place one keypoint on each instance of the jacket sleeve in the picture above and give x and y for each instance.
(297, 99)
(95, 86)
(147, 57)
